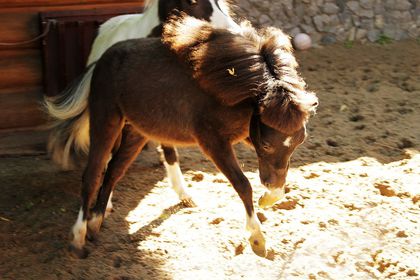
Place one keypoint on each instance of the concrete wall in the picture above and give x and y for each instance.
(329, 21)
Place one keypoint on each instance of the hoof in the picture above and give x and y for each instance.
(92, 235)
(257, 242)
(79, 253)
(93, 227)
(188, 202)
(268, 200)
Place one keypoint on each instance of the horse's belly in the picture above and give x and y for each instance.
(164, 131)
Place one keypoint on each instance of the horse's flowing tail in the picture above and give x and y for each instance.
(69, 138)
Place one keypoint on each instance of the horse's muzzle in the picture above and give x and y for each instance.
(273, 179)
(269, 198)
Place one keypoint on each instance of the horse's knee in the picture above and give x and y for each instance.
(170, 154)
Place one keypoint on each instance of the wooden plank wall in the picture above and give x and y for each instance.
(21, 81)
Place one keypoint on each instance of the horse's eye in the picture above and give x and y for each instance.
(192, 2)
(267, 147)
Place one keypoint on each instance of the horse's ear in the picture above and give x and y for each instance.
(288, 113)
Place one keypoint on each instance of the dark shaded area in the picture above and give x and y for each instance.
(39, 204)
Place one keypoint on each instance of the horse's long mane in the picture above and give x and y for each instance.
(252, 64)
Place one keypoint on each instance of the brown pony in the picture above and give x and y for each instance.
(69, 138)
(202, 86)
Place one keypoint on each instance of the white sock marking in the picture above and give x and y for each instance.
(253, 225)
(109, 204)
(79, 230)
(176, 180)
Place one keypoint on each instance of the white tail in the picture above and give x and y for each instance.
(70, 134)
(69, 138)
(73, 100)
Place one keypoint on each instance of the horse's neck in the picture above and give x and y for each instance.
(149, 3)
(148, 21)
(123, 28)
(135, 25)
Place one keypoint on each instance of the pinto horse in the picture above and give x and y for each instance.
(198, 85)
(70, 136)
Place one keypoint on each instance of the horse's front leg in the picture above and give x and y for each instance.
(222, 154)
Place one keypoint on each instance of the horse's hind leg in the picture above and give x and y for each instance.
(109, 205)
(175, 176)
(131, 145)
(103, 135)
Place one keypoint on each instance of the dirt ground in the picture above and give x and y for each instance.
(352, 210)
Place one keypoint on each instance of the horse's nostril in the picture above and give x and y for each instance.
(268, 185)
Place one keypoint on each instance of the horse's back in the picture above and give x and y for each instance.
(123, 27)
(115, 22)
(112, 31)
(145, 78)
(156, 92)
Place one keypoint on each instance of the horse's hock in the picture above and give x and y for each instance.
(330, 21)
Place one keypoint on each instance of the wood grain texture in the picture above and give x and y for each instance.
(21, 108)
(28, 141)
(20, 68)
(18, 27)
(55, 3)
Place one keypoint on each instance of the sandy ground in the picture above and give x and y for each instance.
(352, 210)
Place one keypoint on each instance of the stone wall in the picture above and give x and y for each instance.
(329, 21)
